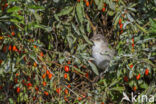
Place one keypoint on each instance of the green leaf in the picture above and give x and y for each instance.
(65, 11)
(94, 68)
(141, 28)
(79, 11)
(111, 13)
(20, 58)
(13, 9)
(75, 29)
(87, 40)
(118, 89)
(11, 101)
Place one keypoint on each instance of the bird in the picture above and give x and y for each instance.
(101, 52)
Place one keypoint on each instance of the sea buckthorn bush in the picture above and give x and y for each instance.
(45, 50)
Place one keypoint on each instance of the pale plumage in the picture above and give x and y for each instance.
(101, 52)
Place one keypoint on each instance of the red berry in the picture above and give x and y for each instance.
(105, 4)
(44, 83)
(79, 98)
(10, 47)
(146, 72)
(69, 86)
(6, 5)
(48, 72)
(46, 93)
(66, 91)
(134, 88)
(13, 33)
(65, 75)
(50, 76)
(131, 66)
(36, 88)
(120, 21)
(86, 75)
(138, 76)
(29, 84)
(18, 90)
(44, 75)
(121, 25)
(126, 79)
(1, 61)
(41, 54)
(58, 90)
(66, 68)
(132, 40)
(14, 48)
(103, 9)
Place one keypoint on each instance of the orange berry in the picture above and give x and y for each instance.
(65, 99)
(65, 75)
(13, 33)
(68, 62)
(79, 98)
(87, 3)
(66, 68)
(48, 72)
(132, 44)
(58, 90)
(50, 76)
(14, 48)
(132, 40)
(1, 37)
(10, 47)
(78, 0)
(103, 9)
(46, 93)
(146, 72)
(138, 76)
(102, 103)
(66, 91)
(36, 88)
(44, 75)
(44, 83)
(35, 46)
(18, 90)
(120, 21)
(41, 54)
(134, 88)
(17, 74)
(35, 64)
(69, 86)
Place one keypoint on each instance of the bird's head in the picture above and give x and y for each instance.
(97, 39)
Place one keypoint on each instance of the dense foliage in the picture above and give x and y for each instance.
(45, 50)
